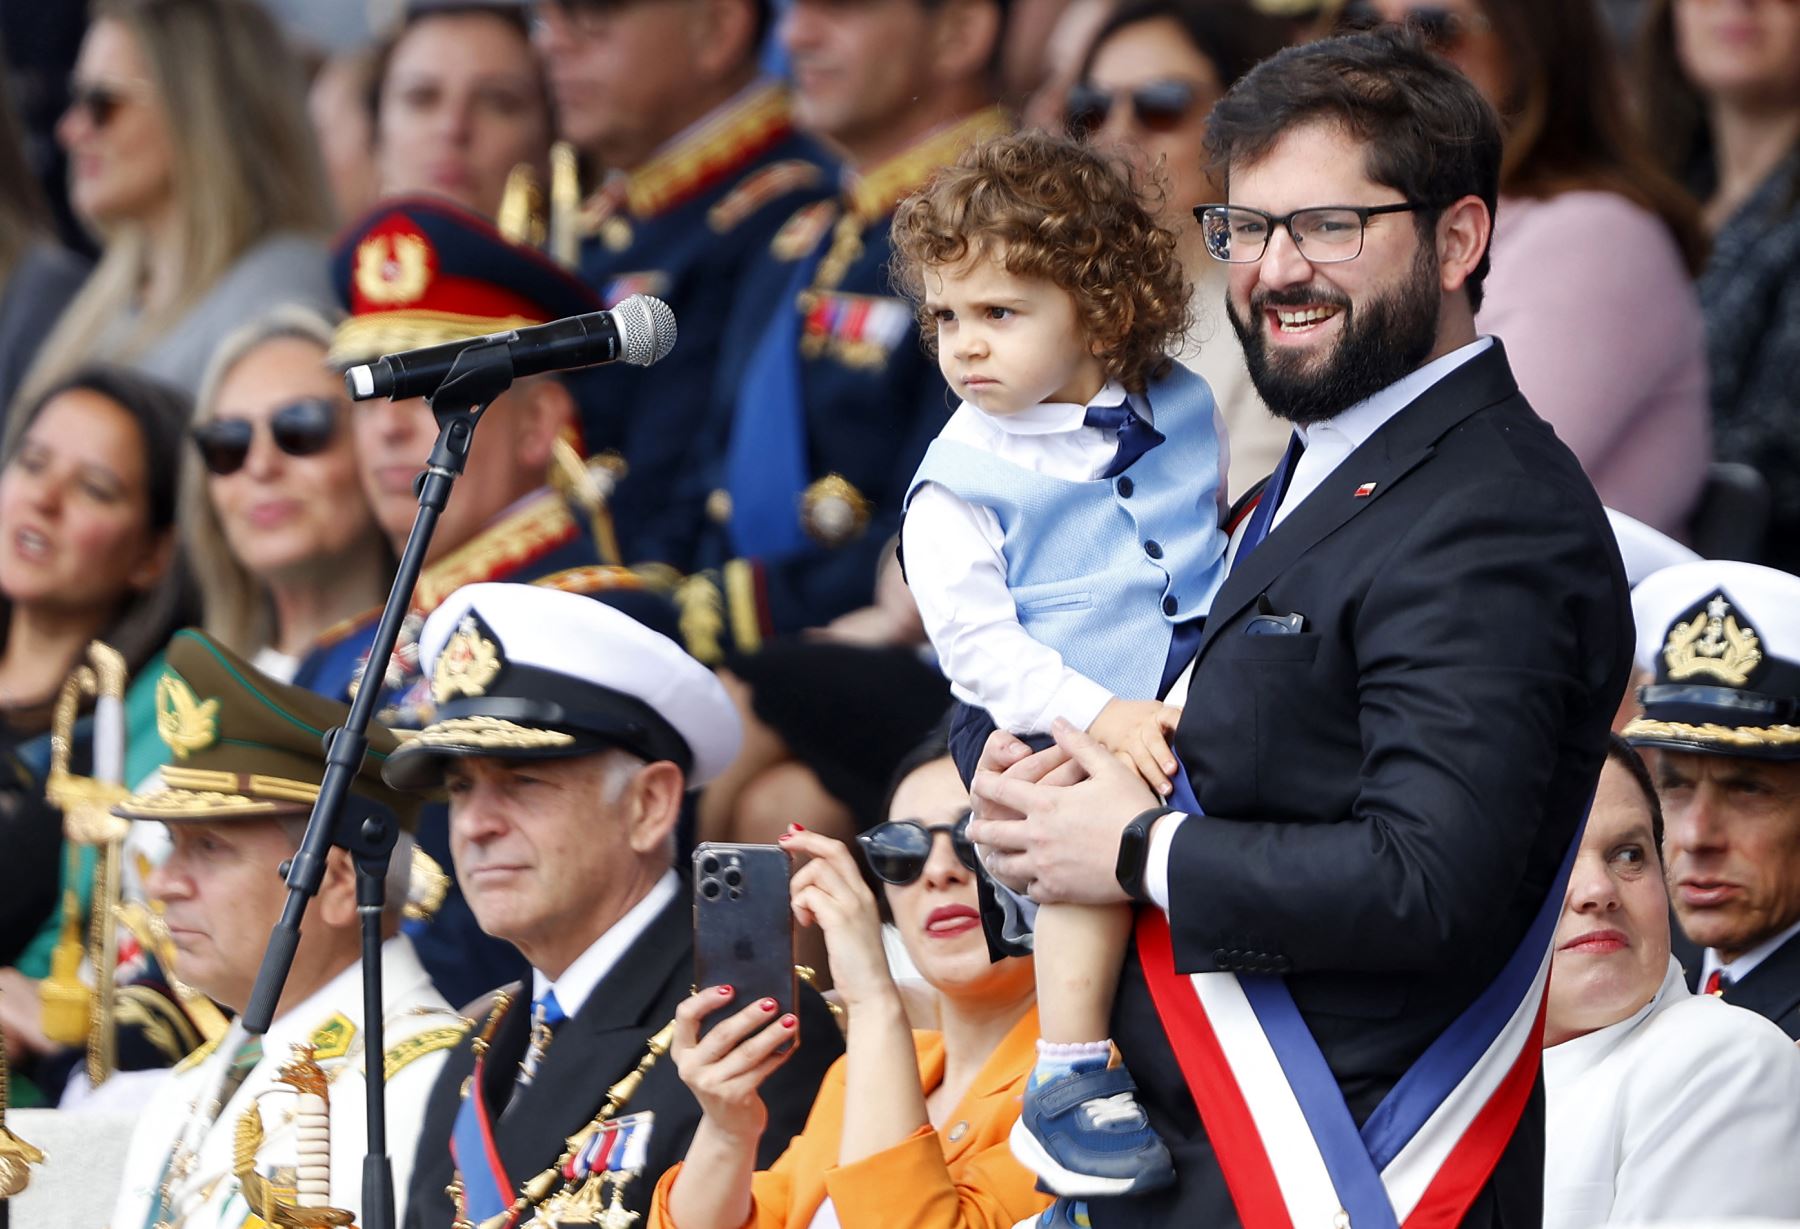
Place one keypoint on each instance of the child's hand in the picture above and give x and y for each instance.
(1139, 731)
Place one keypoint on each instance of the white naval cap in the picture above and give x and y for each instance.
(525, 672)
(1721, 640)
(1645, 550)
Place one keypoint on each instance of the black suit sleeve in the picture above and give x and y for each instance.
(1477, 646)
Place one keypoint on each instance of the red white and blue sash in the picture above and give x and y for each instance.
(486, 1190)
(1291, 1153)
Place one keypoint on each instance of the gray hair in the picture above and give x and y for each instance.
(399, 875)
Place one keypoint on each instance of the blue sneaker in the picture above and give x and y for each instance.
(1085, 1135)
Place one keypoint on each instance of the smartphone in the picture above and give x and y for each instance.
(743, 928)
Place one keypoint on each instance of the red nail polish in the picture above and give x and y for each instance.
(767, 1004)
(788, 1022)
(725, 992)
(799, 827)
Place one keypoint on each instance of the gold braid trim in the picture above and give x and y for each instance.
(404, 1053)
(1748, 736)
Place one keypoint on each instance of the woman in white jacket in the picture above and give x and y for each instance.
(1662, 1105)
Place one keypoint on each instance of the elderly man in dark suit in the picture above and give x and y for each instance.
(1396, 716)
(566, 734)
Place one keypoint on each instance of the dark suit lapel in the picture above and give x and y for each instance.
(1772, 988)
(1397, 446)
(592, 1051)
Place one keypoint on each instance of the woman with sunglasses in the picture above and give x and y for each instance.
(191, 157)
(1593, 252)
(1151, 76)
(1720, 85)
(909, 1128)
(282, 539)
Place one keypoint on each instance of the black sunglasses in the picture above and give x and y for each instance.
(302, 428)
(98, 100)
(1443, 29)
(898, 850)
(1159, 107)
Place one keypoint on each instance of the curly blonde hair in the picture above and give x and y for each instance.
(1049, 207)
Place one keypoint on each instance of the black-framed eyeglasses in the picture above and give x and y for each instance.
(1443, 28)
(301, 428)
(1158, 106)
(99, 101)
(1325, 234)
(898, 850)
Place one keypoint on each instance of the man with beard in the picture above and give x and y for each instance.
(1396, 716)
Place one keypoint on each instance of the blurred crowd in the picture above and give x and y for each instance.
(210, 208)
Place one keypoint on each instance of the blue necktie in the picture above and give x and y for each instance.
(1136, 437)
(546, 1014)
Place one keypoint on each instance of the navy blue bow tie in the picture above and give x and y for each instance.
(1136, 437)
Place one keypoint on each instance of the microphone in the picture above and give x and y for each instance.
(639, 331)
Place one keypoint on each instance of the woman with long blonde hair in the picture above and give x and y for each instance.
(191, 157)
(273, 515)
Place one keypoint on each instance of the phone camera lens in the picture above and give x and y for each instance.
(709, 865)
(733, 877)
(709, 888)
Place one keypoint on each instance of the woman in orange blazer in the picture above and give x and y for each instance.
(909, 1127)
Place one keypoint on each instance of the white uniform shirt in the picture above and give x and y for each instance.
(1687, 1111)
(956, 569)
(181, 1120)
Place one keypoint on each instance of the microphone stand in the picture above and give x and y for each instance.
(368, 831)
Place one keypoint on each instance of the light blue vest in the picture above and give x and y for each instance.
(1101, 570)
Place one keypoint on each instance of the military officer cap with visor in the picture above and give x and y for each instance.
(524, 672)
(244, 747)
(1722, 642)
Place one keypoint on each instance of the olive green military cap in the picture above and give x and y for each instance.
(242, 746)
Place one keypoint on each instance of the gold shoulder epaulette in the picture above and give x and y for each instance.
(591, 578)
(759, 188)
(404, 1053)
(197, 1057)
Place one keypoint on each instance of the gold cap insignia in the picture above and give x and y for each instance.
(392, 268)
(468, 663)
(1713, 643)
(185, 721)
(833, 512)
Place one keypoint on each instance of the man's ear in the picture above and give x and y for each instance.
(336, 901)
(965, 37)
(1463, 232)
(724, 34)
(654, 798)
(544, 409)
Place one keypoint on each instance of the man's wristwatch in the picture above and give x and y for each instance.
(1134, 850)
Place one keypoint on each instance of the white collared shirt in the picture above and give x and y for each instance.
(1737, 970)
(1328, 444)
(956, 568)
(577, 983)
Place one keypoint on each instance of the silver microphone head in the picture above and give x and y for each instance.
(646, 329)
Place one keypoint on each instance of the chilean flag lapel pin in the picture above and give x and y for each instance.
(1365, 490)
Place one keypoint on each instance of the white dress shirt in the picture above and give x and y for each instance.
(577, 983)
(1737, 970)
(1687, 1111)
(956, 569)
(1328, 444)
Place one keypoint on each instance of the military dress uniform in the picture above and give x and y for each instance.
(247, 748)
(824, 407)
(521, 675)
(1722, 641)
(684, 227)
(420, 272)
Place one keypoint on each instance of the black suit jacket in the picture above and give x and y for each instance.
(1771, 990)
(590, 1053)
(1388, 792)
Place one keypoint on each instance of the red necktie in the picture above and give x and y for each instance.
(1714, 983)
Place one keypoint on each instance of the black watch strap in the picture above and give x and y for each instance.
(1134, 852)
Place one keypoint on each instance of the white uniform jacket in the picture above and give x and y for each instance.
(179, 1167)
(1688, 1110)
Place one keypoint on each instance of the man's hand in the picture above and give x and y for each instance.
(1055, 837)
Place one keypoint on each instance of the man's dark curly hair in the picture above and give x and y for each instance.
(1049, 207)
